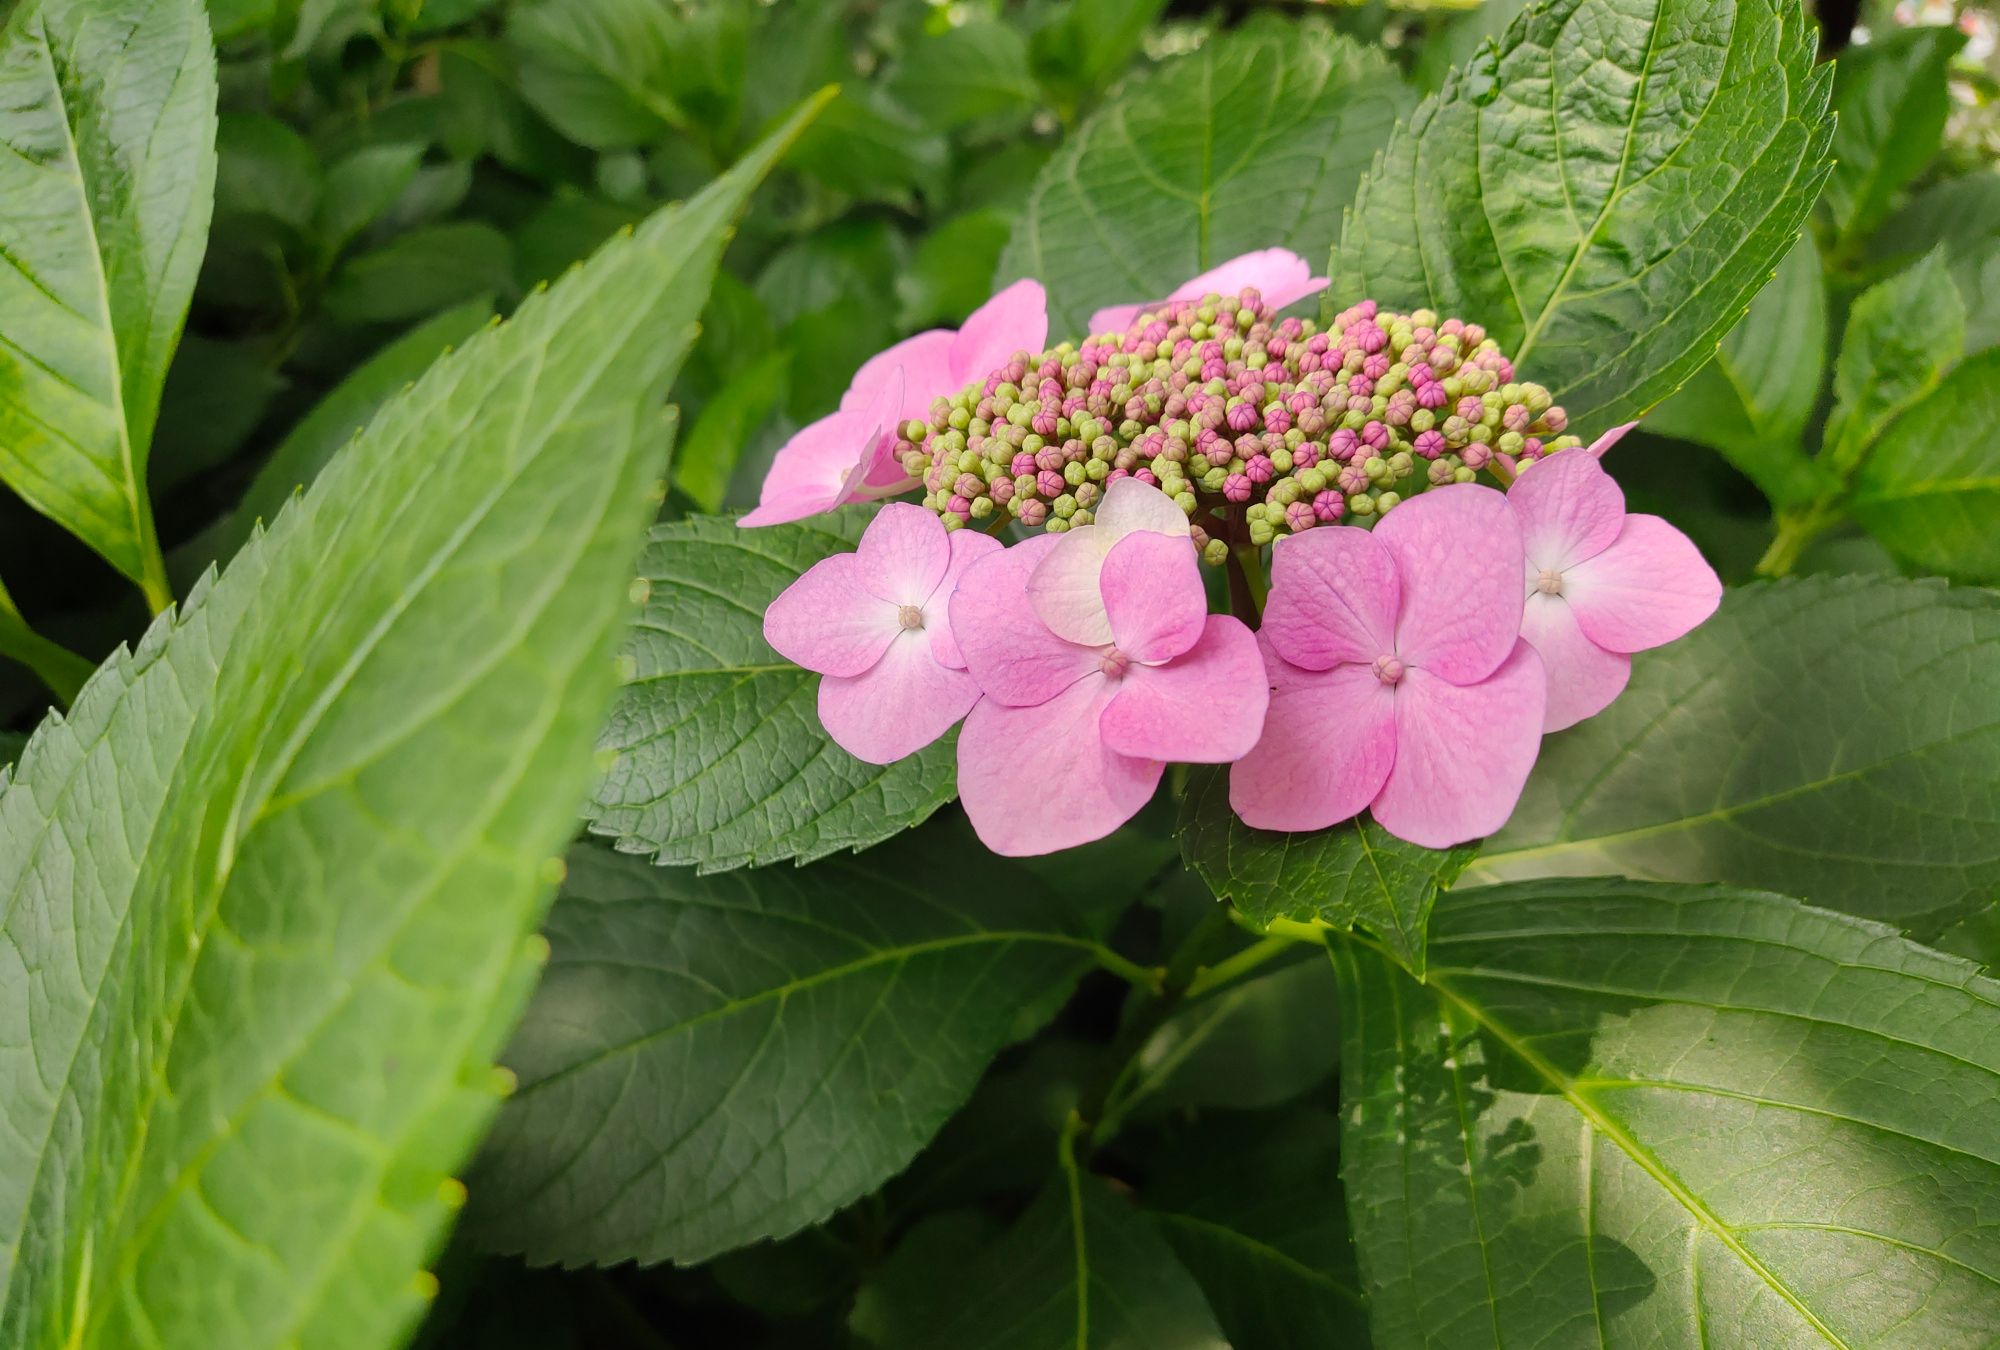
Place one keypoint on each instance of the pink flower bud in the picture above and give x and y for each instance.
(1353, 479)
(1307, 455)
(968, 486)
(1043, 423)
(1050, 483)
(1375, 436)
(1376, 366)
(1420, 374)
(1259, 469)
(1477, 455)
(1002, 491)
(1329, 505)
(1034, 513)
(1517, 417)
(1470, 408)
(1277, 420)
(960, 507)
(1301, 517)
(1342, 445)
(1049, 459)
(1430, 444)
(1237, 487)
(1432, 396)
(1242, 417)
(1146, 476)
(1556, 420)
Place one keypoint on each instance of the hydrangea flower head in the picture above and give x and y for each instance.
(853, 454)
(874, 624)
(1071, 738)
(1399, 683)
(1600, 584)
(1281, 276)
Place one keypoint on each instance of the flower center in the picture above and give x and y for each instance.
(1388, 670)
(1550, 582)
(910, 616)
(1113, 663)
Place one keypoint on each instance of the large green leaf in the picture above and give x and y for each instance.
(720, 760)
(1891, 100)
(1833, 735)
(715, 1060)
(1605, 191)
(1629, 1114)
(1255, 140)
(107, 115)
(1354, 873)
(1901, 338)
(270, 887)
(1930, 488)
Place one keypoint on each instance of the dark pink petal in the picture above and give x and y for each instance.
(1569, 508)
(1583, 677)
(1153, 596)
(1334, 597)
(1610, 438)
(903, 554)
(1458, 549)
(1015, 320)
(1206, 706)
(967, 547)
(1034, 780)
(896, 707)
(1066, 585)
(1462, 752)
(920, 366)
(1647, 589)
(1008, 649)
(1328, 744)
(826, 622)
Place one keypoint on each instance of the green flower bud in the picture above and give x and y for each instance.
(1462, 475)
(1400, 464)
(1509, 443)
(982, 507)
(1096, 470)
(1083, 517)
(1422, 420)
(952, 522)
(1054, 524)
(1031, 443)
(1074, 473)
(1064, 506)
(1361, 504)
(959, 419)
(1385, 501)
(1185, 501)
(1537, 399)
(1024, 486)
(1376, 467)
(1254, 511)
(1261, 532)
(1313, 480)
(1215, 553)
(1281, 460)
(915, 463)
(1212, 480)
(1283, 492)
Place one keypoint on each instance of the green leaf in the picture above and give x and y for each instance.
(1975, 270)
(715, 1060)
(1605, 191)
(264, 168)
(1622, 1114)
(1753, 401)
(1354, 873)
(720, 758)
(1891, 99)
(1958, 211)
(601, 70)
(1273, 1256)
(1833, 735)
(1902, 336)
(869, 148)
(1089, 42)
(107, 112)
(273, 879)
(61, 669)
(948, 274)
(1255, 140)
(708, 456)
(976, 71)
(360, 186)
(421, 272)
(1260, 1042)
(1930, 489)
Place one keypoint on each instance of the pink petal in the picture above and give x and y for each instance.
(903, 554)
(1610, 438)
(1334, 598)
(1153, 596)
(898, 706)
(922, 364)
(1569, 508)
(1328, 743)
(967, 547)
(826, 622)
(1462, 752)
(1583, 677)
(1283, 277)
(1206, 706)
(1458, 549)
(1066, 586)
(1015, 320)
(1008, 649)
(1647, 589)
(1113, 319)
(824, 465)
(1129, 505)
(1034, 780)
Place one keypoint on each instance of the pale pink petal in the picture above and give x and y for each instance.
(924, 363)
(1283, 276)
(1153, 595)
(1129, 505)
(967, 547)
(1206, 706)
(1583, 677)
(1034, 780)
(1328, 744)
(898, 706)
(903, 554)
(1647, 589)
(1066, 588)
(1569, 508)
(1334, 598)
(1462, 752)
(826, 622)
(1010, 651)
(1610, 438)
(1113, 319)
(1458, 549)
(824, 465)
(1015, 320)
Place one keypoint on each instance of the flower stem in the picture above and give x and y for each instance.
(1234, 967)
(1796, 531)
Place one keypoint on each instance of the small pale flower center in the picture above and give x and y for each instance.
(1550, 582)
(1388, 669)
(910, 616)
(1113, 663)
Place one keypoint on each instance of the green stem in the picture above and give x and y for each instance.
(1796, 531)
(1213, 977)
(1152, 979)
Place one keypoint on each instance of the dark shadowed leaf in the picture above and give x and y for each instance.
(1891, 99)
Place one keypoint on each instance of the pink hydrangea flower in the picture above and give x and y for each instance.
(1399, 682)
(1596, 447)
(1071, 738)
(1601, 584)
(1282, 276)
(1065, 584)
(874, 624)
(848, 455)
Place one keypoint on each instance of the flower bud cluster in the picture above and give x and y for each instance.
(1254, 425)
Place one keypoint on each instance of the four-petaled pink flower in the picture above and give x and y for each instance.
(847, 455)
(1283, 277)
(1399, 682)
(874, 624)
(1600, 584)
(1064, 585)
(1071, 738)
